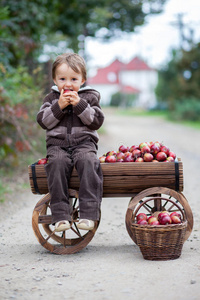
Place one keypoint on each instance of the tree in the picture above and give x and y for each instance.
(25, 26)
(178, 85)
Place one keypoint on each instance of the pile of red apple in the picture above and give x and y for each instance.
(163, 218)
(144, 152)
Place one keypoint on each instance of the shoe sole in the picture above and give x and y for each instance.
(62, 228)
(83, 227)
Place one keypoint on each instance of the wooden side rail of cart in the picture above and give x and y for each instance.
(136, 180)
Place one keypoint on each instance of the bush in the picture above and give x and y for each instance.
(187, 110)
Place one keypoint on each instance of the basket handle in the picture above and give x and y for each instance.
(158, 198)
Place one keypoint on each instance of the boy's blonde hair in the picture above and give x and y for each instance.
(73, 60)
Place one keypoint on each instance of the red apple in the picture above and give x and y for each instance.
(155, 148)
(175, 220)
(145, 149)
(119, 160)
(155, 160)
(142, 216)
(142, 222)
(65, 91)
(139, 159)
(169, 158)
(165, 150)
(162, 214)
(175, 213)
(133, 148)
(148, 157)
(111, 153)
(110, 159)
(141, 145)
(136, 153)
(161, 156)
(165, 220)
(123, 148)
(42, 161)
(128, 158)
(102, 159)
(151, 219)
(172, 154)
(120, 155)
(155, 223)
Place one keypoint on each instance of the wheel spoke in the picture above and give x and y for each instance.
(50, 235)
(76, 232)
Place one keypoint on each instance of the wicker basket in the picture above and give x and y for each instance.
(161, 242)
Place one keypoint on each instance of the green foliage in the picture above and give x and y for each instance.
(25, 27)
(178, 85)
(187, 110)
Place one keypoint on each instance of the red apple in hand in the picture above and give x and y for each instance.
(65, 91)
(42, 161)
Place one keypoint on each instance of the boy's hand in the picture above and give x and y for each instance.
(67, 98)
(64, 100)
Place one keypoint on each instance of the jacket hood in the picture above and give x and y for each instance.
(85, 88)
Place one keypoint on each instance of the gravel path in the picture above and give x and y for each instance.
(111, 266)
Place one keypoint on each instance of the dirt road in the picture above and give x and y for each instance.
(111, 266)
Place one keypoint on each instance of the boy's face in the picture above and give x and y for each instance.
(66, 78)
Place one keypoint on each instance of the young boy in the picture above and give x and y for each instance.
(71, 115)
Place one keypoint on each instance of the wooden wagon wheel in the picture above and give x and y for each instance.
(66, 242)
(159, 205)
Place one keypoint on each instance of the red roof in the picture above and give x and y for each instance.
(129, 90)
(107, 75)
(110, 74)
(137, 64)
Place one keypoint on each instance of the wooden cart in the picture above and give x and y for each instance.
(140, 181)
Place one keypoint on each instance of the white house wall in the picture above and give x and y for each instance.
(106, 91)
(145, 81)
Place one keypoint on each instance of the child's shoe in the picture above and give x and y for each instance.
(85, 224)
(62, 225)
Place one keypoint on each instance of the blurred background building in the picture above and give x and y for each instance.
(135, 80)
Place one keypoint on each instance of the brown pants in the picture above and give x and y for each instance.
(59, 168)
